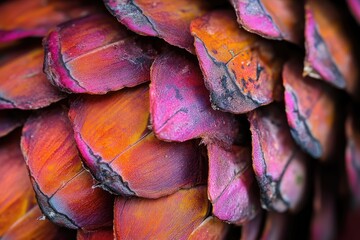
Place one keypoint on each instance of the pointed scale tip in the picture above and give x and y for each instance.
(330, 53)
(56, 171)
(241, 70)
(279, 165)
(96, 54)
(125, 156)
(311, 110)
(281, 20)
(231, 185)
(179, 103)
(169, 20)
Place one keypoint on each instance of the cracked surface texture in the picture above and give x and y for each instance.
(166, 19)
(179, 103)
(240, 70)
(123, 154)
(311, 108)
(280, 167)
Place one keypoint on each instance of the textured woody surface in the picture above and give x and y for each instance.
(64, 189)
(274, 19)
(231, 185)
(149, 143)
(179, 103)
(279, 165)
(329, 51)
(166, 19)
(311, 109)
(22, 18)
(30, 227)
(171, 217)
(210, 229)
(96, 54)
(16, 194)
(23, 84)
(181, 111)
(240, 69)
(124, 156)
